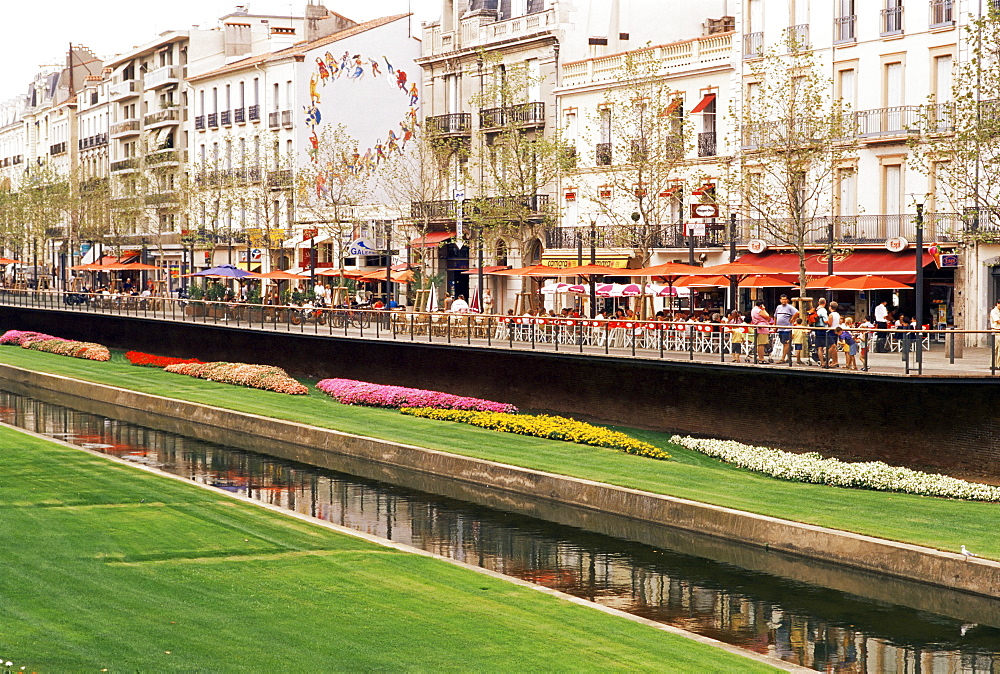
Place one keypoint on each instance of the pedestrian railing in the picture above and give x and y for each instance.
(890, 351)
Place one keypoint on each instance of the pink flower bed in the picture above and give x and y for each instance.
(266, 377)
(39, 341)
(352, 392)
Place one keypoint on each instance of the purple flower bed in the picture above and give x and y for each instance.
(352, 392)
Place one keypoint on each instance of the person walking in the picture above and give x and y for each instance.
(881, 323)
(800, 340)
(820, 319)
(832, 339)
(737, 334)
(784, 315)
(995, 327)
(760, 318)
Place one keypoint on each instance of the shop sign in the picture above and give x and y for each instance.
(704, 210)
(360, 246)
(756, 246)
(695, 229)
(949, 260)
(896, 244)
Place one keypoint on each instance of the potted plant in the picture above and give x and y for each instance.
(195, 307)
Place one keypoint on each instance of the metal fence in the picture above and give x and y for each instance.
(880, 352)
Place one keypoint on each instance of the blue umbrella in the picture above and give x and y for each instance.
(222, 271)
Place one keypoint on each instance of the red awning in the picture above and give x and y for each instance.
(900, 266)
(487, 269)
(431, 239)
(704, 103)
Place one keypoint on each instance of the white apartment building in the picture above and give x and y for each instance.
(260, 131)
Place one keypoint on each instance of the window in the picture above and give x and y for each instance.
(942, 13)
(256, 91)
(843, 24)
(289, 95)
(893, 85)
(892, 17)
(939, 191)
(846, 89)
(942, 78)
(892, 191)
(604, 146)
(276, 102)
(201, 101)
(847, 192)
(229, 100)
(215, 99)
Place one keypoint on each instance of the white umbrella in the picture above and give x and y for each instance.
(432, 299)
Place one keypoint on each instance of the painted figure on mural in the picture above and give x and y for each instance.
(401, 79)
(321, 187)
(313, 145)
(313, 94)
(388, 66)
(375, 68)
(323, 72)
(331, 64)
(413, 94)
(344, 63)
(379, 150)
(390, 144)
(359, 69)
(407, 133)
(313, 116)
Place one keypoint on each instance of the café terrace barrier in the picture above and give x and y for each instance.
(890, 351)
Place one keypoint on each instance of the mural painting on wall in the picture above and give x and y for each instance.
(356, 68)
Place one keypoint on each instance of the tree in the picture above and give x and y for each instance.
(512, 160)
(794, 135)
(960, 147)
(643, 142)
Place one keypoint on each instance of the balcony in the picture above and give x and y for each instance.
(939, 118)
(897, 121)
(254, 113)
(57, 148)
(226, 117)
(523, 115)
(125, 165)
(603, 157)
(279, 180)
(286, 119)
(843, 29)
(482, 28)
(433, 210)
(797, 37)
(130, 127)
(165, 117)
(124, 89)
(165, 199)
(455, 124)
(942, 13)
(199, 123)
(753, 45)
(873, 229)
(239, 115)
(669, 235)
(707, 144)
(273, 120)
(164, 77)
(234, 176)
(892, 21)
(253, 175)
(213, 120)
(166, 158)
(93, 184)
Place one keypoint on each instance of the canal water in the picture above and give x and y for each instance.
(809, 625)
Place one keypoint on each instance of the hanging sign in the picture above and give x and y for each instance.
(896, 244)
(360, 246)
(695, 229)
(704, 210)
(756, 246)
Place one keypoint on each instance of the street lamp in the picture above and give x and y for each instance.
(919, 287)
(592, 217)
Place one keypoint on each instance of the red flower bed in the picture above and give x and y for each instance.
(149, 360)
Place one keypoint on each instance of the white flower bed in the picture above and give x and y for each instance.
(814, 468)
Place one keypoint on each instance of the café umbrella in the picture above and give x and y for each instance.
(870, 282)
(222, 271)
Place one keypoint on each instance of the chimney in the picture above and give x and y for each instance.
(321, 22)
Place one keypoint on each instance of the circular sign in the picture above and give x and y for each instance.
(756, 246)
(896, 244)
(705, 210)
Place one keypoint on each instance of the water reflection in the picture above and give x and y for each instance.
(808, 625)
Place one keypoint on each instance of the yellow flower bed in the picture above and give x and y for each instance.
(543, 426)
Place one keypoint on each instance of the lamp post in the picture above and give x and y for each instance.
(388, 264)
(592, 216)
(479, 273)
(734, 286)
(918, 312)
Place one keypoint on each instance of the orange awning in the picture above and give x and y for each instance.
(704, 103)
(431, 239)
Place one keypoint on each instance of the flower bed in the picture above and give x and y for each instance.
(352, 392)
(544, 426)
(266, 377)
(22, 337)
(814, 468)
(149, 360)
(39, 341)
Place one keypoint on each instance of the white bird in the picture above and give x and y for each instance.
(968, 553)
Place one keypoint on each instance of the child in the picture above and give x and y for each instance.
(850, 343)
(800, 337)
(737, 335)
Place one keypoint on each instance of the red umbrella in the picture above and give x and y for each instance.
(279, 275)
(870, 282)
(667, 269)
(533, 270)
(344, 273)
(592, 269)
(737, 269)
(7, 260)
(139, 266)
(761, 281)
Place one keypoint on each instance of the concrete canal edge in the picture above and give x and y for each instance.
(403, 547)
(317, 446)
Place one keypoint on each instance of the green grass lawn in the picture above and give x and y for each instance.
(107, 566)
(934, 522)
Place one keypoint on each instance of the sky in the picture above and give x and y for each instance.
(39, 35)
